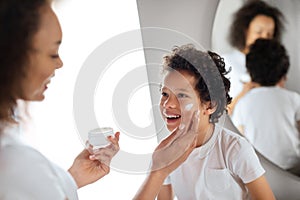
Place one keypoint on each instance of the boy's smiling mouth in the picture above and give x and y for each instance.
(172, 120)
(172, 116)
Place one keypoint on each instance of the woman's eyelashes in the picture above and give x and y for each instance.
(54, 56)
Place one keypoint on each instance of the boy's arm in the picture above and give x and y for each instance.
(260, 190)
(168, 155)
(150, 187)
(153, 183)
(165, 193)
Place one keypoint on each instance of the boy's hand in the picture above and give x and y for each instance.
(174, 150)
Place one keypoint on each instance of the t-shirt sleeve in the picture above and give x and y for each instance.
(245, 163)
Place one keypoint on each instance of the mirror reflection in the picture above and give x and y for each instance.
(269, 20)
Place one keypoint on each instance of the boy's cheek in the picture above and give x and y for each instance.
(188, 107)
(187, 112)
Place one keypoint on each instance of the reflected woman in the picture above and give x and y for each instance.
(256, 19)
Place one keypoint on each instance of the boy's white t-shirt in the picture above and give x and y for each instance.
(219, 169)
(269, 118)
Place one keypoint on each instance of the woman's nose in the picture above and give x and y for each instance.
(59, 63)
(265, 35)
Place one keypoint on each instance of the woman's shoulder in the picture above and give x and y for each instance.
(20, 152)
(24, 170)
(21, 161)
(233, 55)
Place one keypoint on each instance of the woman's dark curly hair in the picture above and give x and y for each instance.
(267, 62)
(243, 17)
(209, 69)
(19, 21)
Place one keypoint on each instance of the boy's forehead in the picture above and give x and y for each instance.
(175, 80)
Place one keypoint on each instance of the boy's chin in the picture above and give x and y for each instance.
(171, 128)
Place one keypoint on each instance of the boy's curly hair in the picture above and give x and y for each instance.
(267, 62)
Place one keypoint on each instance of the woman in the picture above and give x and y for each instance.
(30, 36)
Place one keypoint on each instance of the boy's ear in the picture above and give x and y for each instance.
(210, 108)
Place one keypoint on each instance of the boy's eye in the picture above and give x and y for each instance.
(181, 95)
(164, 94)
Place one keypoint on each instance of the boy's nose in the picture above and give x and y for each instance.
(171, 102)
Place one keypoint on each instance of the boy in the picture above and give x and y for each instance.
(223, 165)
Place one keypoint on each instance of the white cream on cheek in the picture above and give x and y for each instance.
(188, 107)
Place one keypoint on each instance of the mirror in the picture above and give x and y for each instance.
(207, 22)
(278, 178)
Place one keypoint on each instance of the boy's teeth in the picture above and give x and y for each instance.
(173, 116)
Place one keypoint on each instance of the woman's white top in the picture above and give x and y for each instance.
(26, 174)
(269, 118)
(238, 75)
(219, 169)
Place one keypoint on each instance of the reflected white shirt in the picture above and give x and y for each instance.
(238, 74)
(26, 174)
(269, 118)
